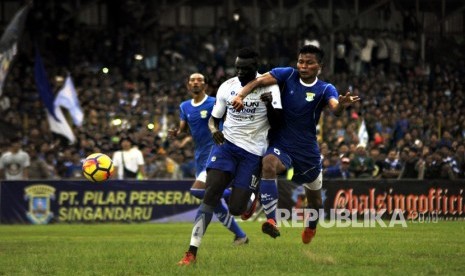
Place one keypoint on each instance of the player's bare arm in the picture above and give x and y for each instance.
(274, 115)
(338, 106)
(214, 126)
(264, 80)
(174, 132)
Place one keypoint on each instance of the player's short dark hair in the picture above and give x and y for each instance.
(205, 76)
(312, 49)
(247, 52)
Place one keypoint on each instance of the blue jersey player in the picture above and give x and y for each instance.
(294, 144)
(194, 114)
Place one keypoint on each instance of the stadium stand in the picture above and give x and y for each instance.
(408, 103)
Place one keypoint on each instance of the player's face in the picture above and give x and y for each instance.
(246, 69)
(196, 83)
(308, 66)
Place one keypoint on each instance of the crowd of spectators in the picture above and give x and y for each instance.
(414, 109)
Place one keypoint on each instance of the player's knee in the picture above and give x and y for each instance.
(239, 200)
(236, 209)
(212, 196)
(269, 166)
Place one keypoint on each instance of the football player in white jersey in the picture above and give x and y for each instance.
(194, 115)
(235, 159)
(294, 144)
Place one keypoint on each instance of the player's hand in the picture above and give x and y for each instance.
(172, 133)
(218, 137)
(267, 98)
(347, 99)
(237, 103)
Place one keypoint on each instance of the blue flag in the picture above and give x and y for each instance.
(43, 85)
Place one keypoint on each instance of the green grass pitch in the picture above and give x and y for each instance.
(154, 249)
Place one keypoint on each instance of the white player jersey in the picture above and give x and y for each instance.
(248, 128)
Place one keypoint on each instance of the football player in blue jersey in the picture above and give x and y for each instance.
(194, 115)
(295, 144)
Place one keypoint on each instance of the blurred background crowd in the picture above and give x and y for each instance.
(130, 78)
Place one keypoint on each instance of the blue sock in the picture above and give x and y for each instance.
(198, 193)
(202, 220)
(269, 197)
(226, 194)
(222, 213)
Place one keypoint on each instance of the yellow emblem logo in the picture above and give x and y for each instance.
(39, 203)
(310, 96)
(203, 114)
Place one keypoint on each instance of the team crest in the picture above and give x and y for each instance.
(310, 96)
(39, 203)
(203, 114)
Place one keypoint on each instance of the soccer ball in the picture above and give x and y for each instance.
(98, 167)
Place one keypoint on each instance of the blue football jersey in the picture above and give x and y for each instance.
(302, 106)
(197, 116)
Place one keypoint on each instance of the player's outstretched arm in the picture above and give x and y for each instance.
(338, 106)
(264, 80)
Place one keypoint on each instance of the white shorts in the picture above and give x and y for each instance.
(202, 177)
(316, 184)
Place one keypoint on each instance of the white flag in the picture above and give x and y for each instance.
(363, 134)
(56, 120)
(60, 127)
(67, 98)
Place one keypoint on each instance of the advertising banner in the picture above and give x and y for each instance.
(81, 201)
(414, 199)
(43, 202)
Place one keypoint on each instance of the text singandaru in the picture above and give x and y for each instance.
(117, 205)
